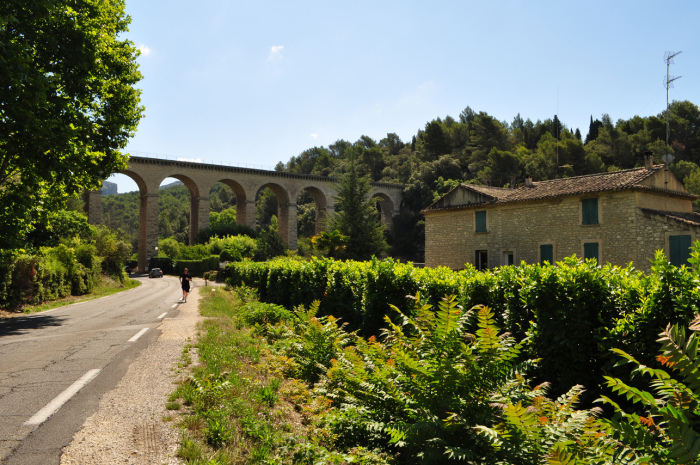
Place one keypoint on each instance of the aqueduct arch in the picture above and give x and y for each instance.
(148, 173)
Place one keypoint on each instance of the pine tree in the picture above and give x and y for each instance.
(357, 216)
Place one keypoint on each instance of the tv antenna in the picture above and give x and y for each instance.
(668, 83)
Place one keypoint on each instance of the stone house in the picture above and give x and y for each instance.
(617, 217)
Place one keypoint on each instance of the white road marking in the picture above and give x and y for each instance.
(162, 316)
(53, 406)
(174, 306)
(138, 335)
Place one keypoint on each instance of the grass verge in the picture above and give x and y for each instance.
(237, 408)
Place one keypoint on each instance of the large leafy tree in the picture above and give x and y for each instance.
(357, 216)
(67, 104)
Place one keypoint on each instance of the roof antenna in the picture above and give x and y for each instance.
(668, 83)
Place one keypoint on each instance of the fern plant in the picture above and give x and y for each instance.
(309, 342)
(536, 430)
(426, 386)
(670, 432)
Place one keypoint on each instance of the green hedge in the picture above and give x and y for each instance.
(197, 267)
(573, 313)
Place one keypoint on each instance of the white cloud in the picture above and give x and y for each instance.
(145, 51)
(276, 52)
(314, 136)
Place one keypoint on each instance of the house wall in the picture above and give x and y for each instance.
(445, 238)
(624, 234)
(653, 232)
(663, 203)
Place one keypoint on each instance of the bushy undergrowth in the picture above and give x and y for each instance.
(50, 273)
(237, 410)
(439, 385)
(572, 313)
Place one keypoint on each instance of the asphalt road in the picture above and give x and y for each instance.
(55, 365)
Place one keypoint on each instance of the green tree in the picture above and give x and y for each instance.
(331, 242)
(270, 244)
(68, 104)
(357, 216)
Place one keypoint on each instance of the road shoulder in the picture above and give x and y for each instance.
(128, 427)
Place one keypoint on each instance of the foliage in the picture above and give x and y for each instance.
(356, 217)
(61, 224)
(331, 242)
(572, 313)
(536, 430)
(269, 244)
(52, 273)
(670, 431)
(475, 148)
(428, 384)
(196, 267)
(114, 252)
(67, 90)
(237, 412)
(441, 386)
(310, 343)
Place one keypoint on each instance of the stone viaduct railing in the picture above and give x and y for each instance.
(149, 173)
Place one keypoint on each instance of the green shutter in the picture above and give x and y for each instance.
(481, 221)
(679, 249)
(589, 211)
(590, 250)
(547, 253)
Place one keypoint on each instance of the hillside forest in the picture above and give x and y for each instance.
(473, 148)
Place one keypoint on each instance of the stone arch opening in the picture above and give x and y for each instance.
(142, 225)
(312, 214)
(228, 187)
(385, 207)
(273, 199)
(171, 221)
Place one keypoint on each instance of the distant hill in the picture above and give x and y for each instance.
(172, 184)
(109, 188)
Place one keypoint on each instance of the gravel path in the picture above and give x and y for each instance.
(128, 427)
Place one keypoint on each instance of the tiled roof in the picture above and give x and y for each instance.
(579, 185)
(691, 218)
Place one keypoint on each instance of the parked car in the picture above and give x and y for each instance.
(156, 273)
(127, 269)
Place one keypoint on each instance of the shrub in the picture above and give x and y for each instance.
(230, 255)
(670, 431)
(258, 313)
(429, 384)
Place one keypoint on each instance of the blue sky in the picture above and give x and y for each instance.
(259, 82)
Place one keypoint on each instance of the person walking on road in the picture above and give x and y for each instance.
(185, 279)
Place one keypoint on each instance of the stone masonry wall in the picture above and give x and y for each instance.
(521, 229)
(653, 232)
(445, 239)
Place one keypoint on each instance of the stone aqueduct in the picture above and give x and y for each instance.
(149, 173)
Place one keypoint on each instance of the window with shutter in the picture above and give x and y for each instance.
(480, 221)
(589, 211)
(547, 253)
(590, 250)
(679, 249)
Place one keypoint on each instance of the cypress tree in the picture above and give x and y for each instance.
(357, 216)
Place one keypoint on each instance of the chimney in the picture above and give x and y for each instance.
(648, 160)
(528, 181)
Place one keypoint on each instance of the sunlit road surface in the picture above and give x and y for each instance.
(55, 365)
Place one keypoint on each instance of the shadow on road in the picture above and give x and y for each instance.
(21, 324)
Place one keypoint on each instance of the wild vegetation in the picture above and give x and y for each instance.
(64, 257)
(443, 383)
(572, 314)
